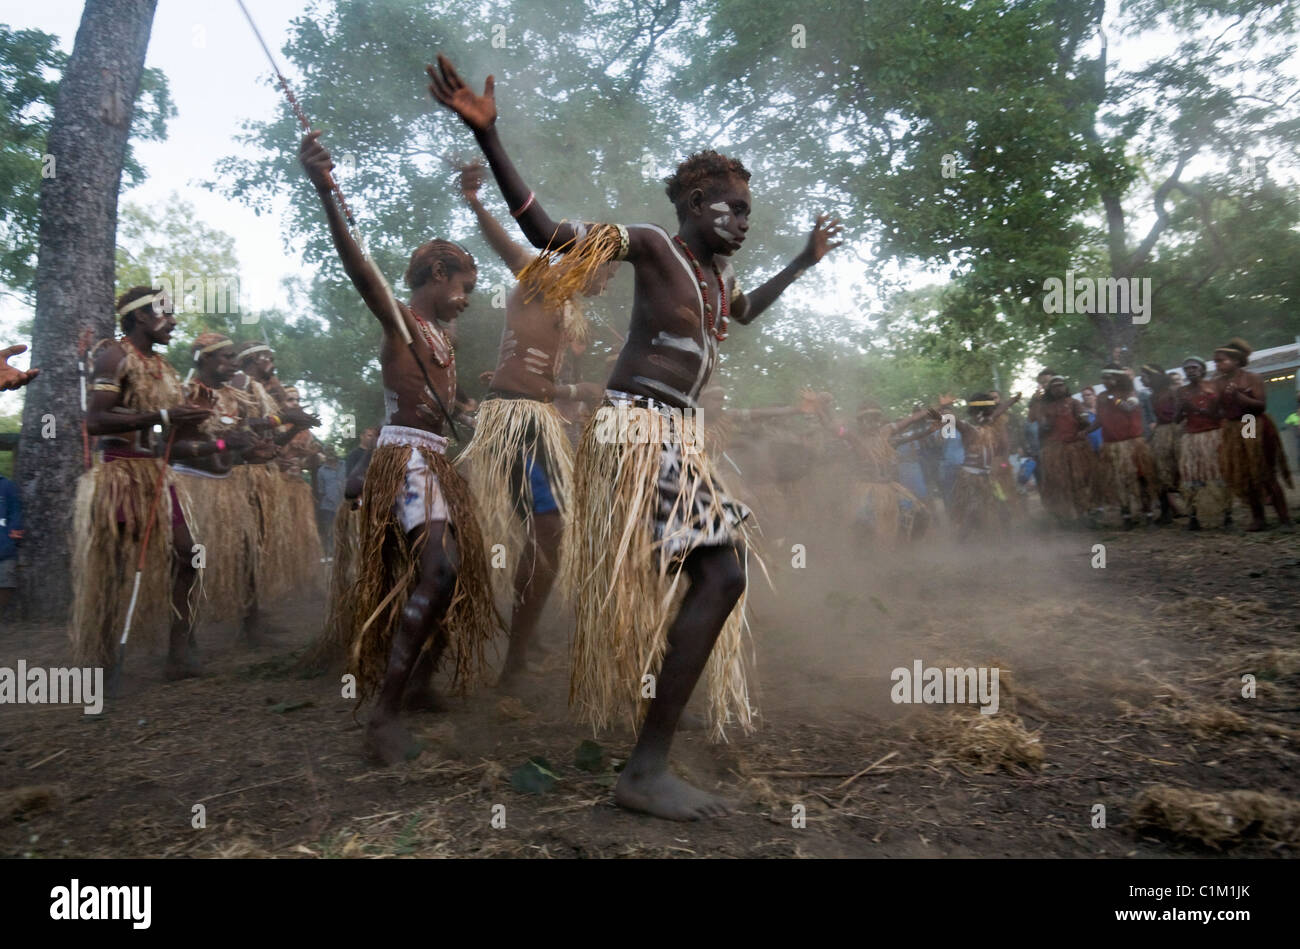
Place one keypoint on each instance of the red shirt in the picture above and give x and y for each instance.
(1117, 424)
(1058, 421)
(1201, 407)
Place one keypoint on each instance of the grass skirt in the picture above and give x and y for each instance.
(388, 572)
(975, 503)
(330, 649)
(887, 509)
(628, 538)
(1249, 464)
(1164, 448)
(305, 571)
(1128, 474)
(508, 431)
(225, 523)
(106, 550)
(1068, 475)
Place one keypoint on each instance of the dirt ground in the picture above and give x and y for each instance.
(1113, 680)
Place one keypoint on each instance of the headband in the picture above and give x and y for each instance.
(1154, 370)
(259, 348)
(1193, 359)
(142, 301)
(981, 404)
(212, 348)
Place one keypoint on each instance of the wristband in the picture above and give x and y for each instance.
(165, 419)
(573, 393)
(221, 444)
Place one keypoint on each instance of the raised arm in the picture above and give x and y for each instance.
(515, 257)
(316, 161)
(480, 114)
(1004, 407)
(746, 307)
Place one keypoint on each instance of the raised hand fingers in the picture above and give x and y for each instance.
(438, 87)
(449, 74)
(12, 351)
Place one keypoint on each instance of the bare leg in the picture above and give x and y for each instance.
(386, 739)
(646, 784)
(182, 650)
(534, 577)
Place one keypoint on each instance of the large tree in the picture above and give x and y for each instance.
(74, 274)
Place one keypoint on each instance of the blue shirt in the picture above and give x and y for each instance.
(11, 517)
(954, 451)
(329, 485)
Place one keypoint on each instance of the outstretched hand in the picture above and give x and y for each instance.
(316, 161)
(819, 241)
(11, 378)
(445, 85)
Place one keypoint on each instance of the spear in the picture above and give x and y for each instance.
(390, 301)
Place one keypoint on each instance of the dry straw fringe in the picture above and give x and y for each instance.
(388, 572)
(1068, 475)
(330, 649)
(305, 573)
(1201, 475)
(507, 430)
(277, 546)
(560, 274)
(225, 523)
(1164, 448)
(1126, 465)
(1198, 456)
(626, 594)
(884, 503)
(105, 554)
(975, 505)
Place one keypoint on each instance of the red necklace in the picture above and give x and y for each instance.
(704, 291)
(152, 362)
(430, 333)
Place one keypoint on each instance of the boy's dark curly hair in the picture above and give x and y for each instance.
(702, 170)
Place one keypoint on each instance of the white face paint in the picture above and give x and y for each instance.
(720, 206)
(725, 234)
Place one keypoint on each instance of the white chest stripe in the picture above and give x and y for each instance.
(706, 341)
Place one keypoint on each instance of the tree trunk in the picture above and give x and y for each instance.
(74, 278)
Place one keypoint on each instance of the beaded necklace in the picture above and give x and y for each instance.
(436, 340)
(704, 291)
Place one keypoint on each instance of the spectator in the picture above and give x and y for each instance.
(329, 495)
(359, 456)
(1089, 396)
(11, 532)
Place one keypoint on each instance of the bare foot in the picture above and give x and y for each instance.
(663, 794)
(389, 743)
(1256, 526)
